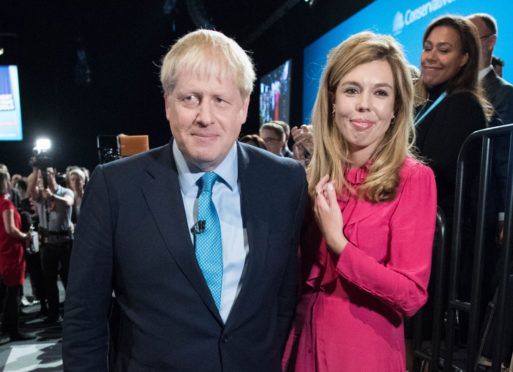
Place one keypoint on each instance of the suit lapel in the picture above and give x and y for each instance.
(489, 84)
(165, 202)
(255, 221)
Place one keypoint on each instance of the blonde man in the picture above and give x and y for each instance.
(148, 221)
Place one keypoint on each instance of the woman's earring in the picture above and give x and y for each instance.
(333, 111)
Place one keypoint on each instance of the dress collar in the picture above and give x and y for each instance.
(356, 176)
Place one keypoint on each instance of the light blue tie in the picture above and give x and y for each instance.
(209, 246)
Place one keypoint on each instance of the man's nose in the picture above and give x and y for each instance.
(205, 113)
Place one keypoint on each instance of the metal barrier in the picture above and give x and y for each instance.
(432, 356)
(455, 304)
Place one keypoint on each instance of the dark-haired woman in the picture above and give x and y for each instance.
(453, 107)
(452, 110)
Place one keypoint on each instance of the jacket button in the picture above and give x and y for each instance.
(225, 339)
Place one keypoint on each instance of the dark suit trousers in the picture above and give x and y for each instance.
(55, 256)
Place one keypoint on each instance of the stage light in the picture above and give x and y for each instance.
(43, 144)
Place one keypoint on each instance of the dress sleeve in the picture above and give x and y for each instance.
(402, 281)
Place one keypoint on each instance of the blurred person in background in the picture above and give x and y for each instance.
(54, 205)
(285, 151)
(12, 262)
(254, 140)
(497, 64)
(77, 179)
(274, 137)
(303, 144)
(450, 107)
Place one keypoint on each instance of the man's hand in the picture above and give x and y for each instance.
(47, 194)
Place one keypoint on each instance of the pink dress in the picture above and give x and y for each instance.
(350, 314)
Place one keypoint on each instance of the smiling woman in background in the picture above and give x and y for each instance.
(366, 248)
(452, 107)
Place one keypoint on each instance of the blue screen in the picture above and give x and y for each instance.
(406, 21)
(275, 94)
(10, 110)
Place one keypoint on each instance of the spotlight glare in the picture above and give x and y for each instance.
(43, 144)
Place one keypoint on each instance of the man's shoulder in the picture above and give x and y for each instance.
(138, 162)
(63, 190)
(258, 159)
(492, 82)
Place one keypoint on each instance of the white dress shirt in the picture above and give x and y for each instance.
(226, 198)
(482, 73)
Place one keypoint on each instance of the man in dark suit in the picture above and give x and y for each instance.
(147, 290)
(499, 93)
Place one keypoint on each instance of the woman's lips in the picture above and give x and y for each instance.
(362, 124)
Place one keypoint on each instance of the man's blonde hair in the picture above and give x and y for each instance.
(207, 52)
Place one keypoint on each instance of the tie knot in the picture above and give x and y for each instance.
(206, 182)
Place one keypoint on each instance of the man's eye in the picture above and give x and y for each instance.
(219, 100)
(191, 99)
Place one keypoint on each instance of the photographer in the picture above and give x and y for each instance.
(54, 204)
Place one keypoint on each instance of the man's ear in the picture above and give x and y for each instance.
(166, 105)
(492, 40)
(244, 110)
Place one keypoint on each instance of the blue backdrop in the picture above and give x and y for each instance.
(406, 21)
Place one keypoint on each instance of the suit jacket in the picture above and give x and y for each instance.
(132, 238)
(500, 94)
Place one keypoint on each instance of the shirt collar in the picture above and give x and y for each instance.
(227, 170)
(484, 71)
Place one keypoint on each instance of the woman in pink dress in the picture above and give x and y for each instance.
(366, 246)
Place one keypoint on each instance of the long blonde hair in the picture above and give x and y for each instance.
(331, 149)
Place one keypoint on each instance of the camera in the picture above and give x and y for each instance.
(41, 159)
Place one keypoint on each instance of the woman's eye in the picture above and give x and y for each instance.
(382, 93)
(351, 91)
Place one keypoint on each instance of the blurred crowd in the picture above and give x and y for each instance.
(39, 213)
